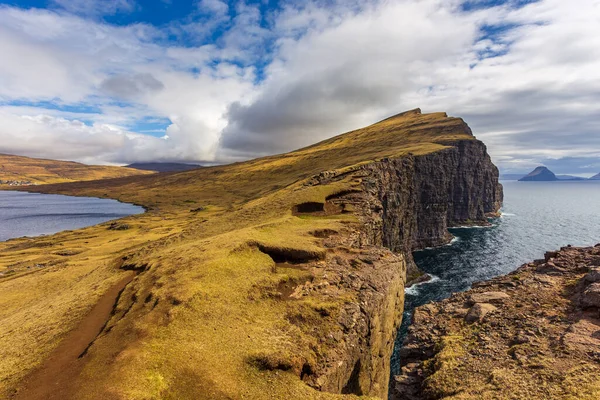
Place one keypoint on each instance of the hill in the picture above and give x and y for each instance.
(595, 177)
(570, 178)
(163, 167)
(20, 170)
(539, 174)
(276, 278)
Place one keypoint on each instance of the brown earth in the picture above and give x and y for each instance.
(53, 380)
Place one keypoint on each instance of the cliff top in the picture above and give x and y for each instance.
(532, 334)
(410, 132)
(42, 171)
(228, 261)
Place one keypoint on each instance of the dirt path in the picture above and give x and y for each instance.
(56, 377)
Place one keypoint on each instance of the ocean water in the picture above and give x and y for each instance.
(536, 217)
(33, 214)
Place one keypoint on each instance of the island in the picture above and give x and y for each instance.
(540, 174)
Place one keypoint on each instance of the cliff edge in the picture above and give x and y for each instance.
(281, 277)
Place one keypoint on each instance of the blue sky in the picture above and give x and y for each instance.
(213, 81)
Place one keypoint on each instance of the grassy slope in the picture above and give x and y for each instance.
(207, 315)
(40, 171)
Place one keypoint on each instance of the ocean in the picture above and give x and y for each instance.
(33, 214)
(536, 217)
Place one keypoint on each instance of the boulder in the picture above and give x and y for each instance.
(489, 297)
(478, 312)
(593, 275)
(591, 296)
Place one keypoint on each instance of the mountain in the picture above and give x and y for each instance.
(163, 167)
(276, 278)
(20, 170)
(570, 178)
(595, 177)
(539, 174)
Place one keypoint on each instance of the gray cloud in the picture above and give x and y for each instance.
(131, 86)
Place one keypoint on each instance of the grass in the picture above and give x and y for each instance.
(40, 171)
(201, 320)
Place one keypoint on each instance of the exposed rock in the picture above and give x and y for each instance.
(542, 339)
(591, 295)
(478, 312)
(489, 297)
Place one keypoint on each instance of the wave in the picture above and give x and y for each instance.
(414, 289)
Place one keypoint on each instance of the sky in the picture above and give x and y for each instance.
(211, 81)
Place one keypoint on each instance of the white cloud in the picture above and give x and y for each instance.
(95, 8)
(530, 87)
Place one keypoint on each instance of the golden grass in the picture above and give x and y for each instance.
(40, 171)
(200, 320)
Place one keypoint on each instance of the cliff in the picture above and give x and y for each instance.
(281, 277)
(532, 334)
(539, 174)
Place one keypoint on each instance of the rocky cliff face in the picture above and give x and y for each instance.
(403, 204)
(532, 334)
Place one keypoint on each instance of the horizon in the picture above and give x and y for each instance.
(213, 82)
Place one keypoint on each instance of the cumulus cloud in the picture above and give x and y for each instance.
(525, 76)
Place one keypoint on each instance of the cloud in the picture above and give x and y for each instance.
(131, 86)
(237, 82)
(95, 8)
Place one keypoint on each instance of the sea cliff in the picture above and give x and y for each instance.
(281, 277)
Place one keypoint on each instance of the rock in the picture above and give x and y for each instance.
(489, 297)
(591, 296)
(478, 312)
(593, 275)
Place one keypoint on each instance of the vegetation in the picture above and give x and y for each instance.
(39, 171)
(209, 313)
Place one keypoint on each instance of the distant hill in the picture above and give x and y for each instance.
(595, 177)
(539, 174)
(570, 178)
(164, 167)
(511, 177)
(20, 170)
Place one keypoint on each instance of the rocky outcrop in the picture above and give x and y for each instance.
(531, 334)
(403, 204)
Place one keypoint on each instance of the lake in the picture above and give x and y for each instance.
(33, 214)
(536, 217)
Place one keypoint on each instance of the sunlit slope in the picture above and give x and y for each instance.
(40, 171)
(204, 317)
(409, 132)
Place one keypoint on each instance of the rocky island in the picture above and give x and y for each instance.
(276, 278)
(538, 175)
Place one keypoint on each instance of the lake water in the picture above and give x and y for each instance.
(33, 214)
(536, 217)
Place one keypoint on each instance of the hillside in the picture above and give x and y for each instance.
(163, 167)
(539, 174)
(24, 170)
(595, 177)
(281, 277)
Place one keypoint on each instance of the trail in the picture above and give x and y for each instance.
(56, 377)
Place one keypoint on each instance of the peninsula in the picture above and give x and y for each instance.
(276, 278)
